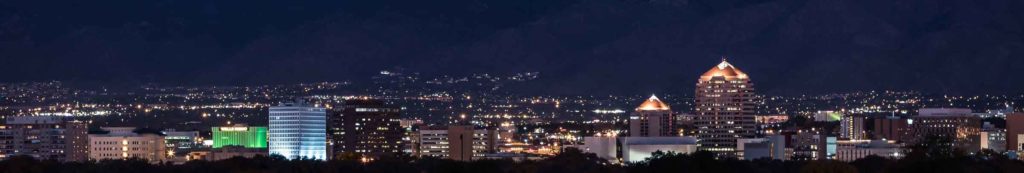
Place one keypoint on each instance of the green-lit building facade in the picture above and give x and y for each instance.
(248, 137)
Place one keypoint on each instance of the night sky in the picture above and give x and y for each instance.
(579, 47)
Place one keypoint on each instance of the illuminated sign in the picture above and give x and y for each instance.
(234, 129)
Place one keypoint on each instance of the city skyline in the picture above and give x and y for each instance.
(535, 86)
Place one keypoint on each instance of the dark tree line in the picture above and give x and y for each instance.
(570, 161)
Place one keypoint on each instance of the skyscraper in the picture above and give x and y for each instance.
(366, 127)
(298, 130)
(651, 118)
(724, 104)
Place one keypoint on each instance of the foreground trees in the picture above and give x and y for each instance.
(570, 161)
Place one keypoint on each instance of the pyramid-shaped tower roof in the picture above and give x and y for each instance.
(653, 104)
(725, 70)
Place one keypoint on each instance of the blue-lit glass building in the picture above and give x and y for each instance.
(298, 130)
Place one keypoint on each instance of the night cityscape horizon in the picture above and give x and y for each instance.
(610, 86)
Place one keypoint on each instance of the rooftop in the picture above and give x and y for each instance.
(653, 104)
(725, 70)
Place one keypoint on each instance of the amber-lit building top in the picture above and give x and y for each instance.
(651, 118)
(724, 108)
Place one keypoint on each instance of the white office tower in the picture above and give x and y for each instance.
(298, 130)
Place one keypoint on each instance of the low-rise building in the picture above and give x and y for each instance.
(604, 147)
(851, 150)
(128, 142)
(455, 142)
(771, 147)
(181, 142)
(635, 149)
(951, 123)
(228, 152)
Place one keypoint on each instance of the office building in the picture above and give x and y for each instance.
(44, 138)
(852, 127)
(181, 142)
(232, 151)
(366, 127)
(771, 147)
(459, 142)
(811, 145)
(992, 138)
(128, 142)
(828, 116)
(603, 146)
(1014, 129)
(652, 118)
(635, 149)
(239, 135)
(851, 150)
(298, 130)
(890, 128)
(724, 103)
(950, 123)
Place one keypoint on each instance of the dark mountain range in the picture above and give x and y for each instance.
(594, 46)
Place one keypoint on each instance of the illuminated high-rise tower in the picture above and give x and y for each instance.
(298, 131)
(651, 118)
(366, 127)
(724, 104)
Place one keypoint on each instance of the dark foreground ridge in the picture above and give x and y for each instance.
(571, 161)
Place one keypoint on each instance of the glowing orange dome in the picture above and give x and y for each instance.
(653, 104)
(724, 69)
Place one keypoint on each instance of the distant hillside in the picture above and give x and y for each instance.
(594, 46)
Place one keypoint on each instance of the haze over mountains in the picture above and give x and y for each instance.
(579, 47)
